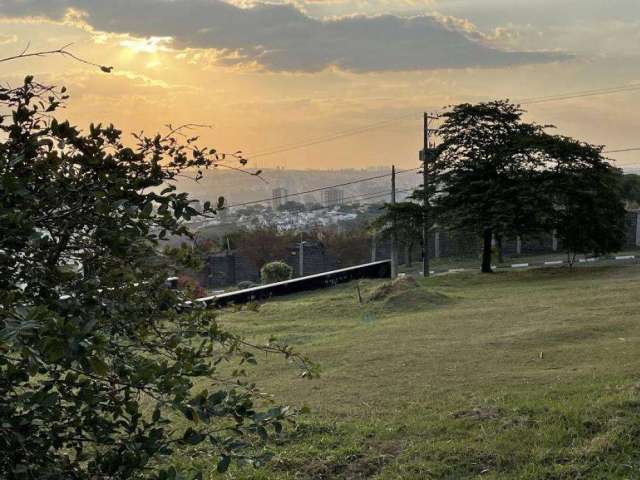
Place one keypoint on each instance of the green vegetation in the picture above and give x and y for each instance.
(528, 375)
(275, 272)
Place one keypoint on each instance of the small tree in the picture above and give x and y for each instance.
(408, 217)
(93, 372)
(274, 272)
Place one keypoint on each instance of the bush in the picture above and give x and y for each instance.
(275, 272)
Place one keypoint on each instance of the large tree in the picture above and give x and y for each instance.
(100, 377)
(487, 171)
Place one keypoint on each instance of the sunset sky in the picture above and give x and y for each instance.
(268, 75)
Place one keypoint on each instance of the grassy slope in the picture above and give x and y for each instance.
(425, 388)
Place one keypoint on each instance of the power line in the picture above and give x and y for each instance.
(582, 94)
(632, 149)
(330, 137)
(374, 126)
(319, 189)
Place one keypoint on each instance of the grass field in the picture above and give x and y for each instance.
(528, 375)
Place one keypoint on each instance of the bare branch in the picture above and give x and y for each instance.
(254, 174)
(59, 51)
(185, 126)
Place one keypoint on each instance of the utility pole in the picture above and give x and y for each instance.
(425, 157)
(394, 239)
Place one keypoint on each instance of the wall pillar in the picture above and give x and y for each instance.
(637, 229)
(554, 240)
(374, 248)
(436, 244)
(518, 245)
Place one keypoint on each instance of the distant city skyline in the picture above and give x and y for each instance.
(271, 76)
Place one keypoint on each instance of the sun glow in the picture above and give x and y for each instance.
(146, 45)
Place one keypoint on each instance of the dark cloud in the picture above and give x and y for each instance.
(282, 38)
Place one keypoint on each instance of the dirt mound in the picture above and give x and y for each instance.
(387, 289)
(415, 298)
(406, 293)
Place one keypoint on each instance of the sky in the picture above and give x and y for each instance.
(278, 79)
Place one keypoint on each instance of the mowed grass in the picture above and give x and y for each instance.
(528, 375)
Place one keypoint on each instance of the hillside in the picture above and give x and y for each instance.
(516, 375)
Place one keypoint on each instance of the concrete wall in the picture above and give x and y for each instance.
(315, 259)
(227, 268)
(230, 268)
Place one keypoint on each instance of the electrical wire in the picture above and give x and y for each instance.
(352, 182)
(631, 149)
(374, 126)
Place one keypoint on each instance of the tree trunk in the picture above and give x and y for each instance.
(407, 254)
(486, 251)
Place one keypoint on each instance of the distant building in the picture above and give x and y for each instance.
(279, 198)
(309, 199)
(332, 197)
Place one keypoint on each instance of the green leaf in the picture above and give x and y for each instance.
(223, 464)
(98, 365)
(193, 437)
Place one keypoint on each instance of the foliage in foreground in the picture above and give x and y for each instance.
(95, 363)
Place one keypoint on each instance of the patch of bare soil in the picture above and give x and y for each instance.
(356, 467)
(479, 413)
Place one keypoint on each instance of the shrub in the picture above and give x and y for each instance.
(275, 272)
